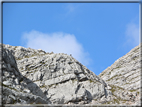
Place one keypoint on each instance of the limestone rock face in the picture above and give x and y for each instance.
(35, 77)
(13, 87)
(124, 77)
(52, 78)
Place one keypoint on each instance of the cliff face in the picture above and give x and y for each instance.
(14, 90)
(35, 77)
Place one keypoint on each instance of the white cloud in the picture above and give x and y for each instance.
(57, 42)
(132, 34)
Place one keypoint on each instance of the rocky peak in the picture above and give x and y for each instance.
(124, 75)
(54, 78)
(33, 76)
(125, 71)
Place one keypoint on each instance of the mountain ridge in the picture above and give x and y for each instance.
(48, 78)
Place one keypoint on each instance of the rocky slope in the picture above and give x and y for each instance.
(124, 76)
(35, 77)
(39, 77)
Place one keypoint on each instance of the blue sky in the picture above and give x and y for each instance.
(96, 34)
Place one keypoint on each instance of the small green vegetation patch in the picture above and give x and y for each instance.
(91, 81)
(114, 88)
(74, 80)
(50, 85)
(116, 101)
(113, 77)
(43, 86)
(133, 90)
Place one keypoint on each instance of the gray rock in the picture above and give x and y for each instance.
(34, 76)
(8, 83)
(124, 74)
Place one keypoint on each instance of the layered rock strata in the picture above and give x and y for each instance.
(37, 77)
(48, 78)
(124, 76)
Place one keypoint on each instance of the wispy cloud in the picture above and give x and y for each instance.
(73, 8)
(70, 8)
(132, 34)
(57, 42)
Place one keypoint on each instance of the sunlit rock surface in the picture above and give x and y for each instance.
(37, 77)
(124, 77)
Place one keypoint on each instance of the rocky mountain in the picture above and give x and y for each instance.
(35, 77)
(124, 76)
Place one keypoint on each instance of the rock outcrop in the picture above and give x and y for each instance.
(124, 77)
(48, 78)
(35, 77)
(14, 90)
